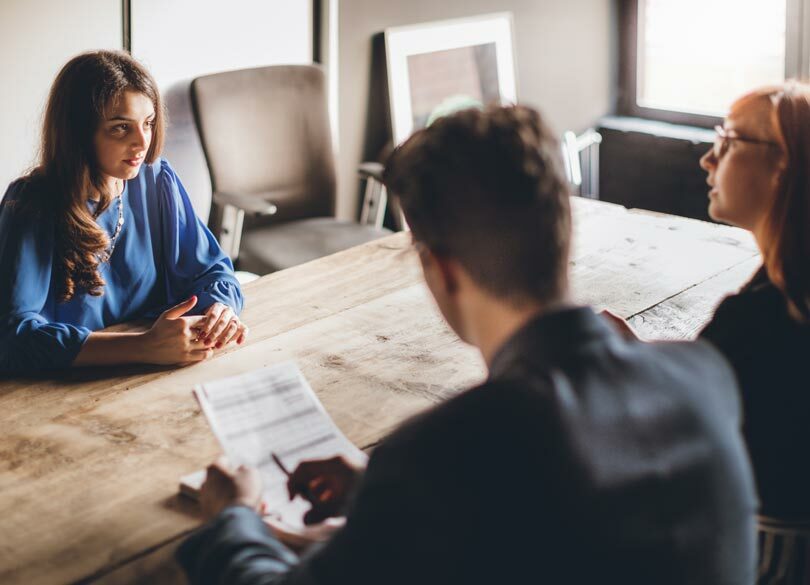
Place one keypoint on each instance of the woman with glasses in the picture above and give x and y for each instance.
(102, 231)
(759, 174)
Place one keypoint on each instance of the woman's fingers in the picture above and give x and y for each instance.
(243, 334)
(216, 329)
(192, 327)
(219, 329)
(212, 318)
(230, 332)
(198, 344)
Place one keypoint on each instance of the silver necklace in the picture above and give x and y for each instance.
(106, 255)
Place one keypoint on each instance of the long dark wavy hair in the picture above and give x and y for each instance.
(68, 172)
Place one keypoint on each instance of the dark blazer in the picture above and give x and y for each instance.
(584, 458)
(770, 353)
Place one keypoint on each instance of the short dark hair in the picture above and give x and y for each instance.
(487, 188)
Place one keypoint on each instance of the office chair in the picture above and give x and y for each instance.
(266, 139)
(579, 149)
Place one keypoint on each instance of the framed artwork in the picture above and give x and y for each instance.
(441, 67)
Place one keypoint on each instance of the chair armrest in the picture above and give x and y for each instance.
(252, 204)
(371, 170)
(375, 199)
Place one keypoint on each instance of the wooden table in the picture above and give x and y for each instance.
(89, 461)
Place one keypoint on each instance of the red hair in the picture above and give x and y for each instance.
(786, 230)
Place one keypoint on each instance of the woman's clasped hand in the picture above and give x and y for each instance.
(176, 338)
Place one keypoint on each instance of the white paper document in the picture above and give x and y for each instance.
(273, 410)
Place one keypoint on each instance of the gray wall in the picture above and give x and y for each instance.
(564, 53)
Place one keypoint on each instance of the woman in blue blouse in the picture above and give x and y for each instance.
(102, 231)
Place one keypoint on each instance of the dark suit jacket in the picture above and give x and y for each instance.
(584, 458)
(768, 350)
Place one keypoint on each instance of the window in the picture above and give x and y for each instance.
(687, 60)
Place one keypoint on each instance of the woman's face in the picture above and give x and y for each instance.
(124, 135)
(744, 167)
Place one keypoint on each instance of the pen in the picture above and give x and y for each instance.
(280, 464)
(304, 492)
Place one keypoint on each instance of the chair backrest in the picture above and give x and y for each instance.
(266, 130)
(784, 551)
(584, 178)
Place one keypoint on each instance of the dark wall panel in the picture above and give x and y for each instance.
(648, 171)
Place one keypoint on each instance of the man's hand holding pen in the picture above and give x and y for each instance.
(326, 484)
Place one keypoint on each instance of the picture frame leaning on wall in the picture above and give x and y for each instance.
(437, 68)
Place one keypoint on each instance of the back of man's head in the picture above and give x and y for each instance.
(487, 189)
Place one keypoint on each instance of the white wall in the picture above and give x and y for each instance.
(37, 37)
(179, 40)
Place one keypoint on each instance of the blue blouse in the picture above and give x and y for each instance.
(163, 255)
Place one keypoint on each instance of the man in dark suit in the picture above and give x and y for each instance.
(584, 458)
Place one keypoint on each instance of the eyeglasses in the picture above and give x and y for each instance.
(723, 140)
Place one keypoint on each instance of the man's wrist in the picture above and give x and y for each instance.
(236, 506)
(248, 503)
(230, 505)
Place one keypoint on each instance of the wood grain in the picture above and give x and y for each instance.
(682, 316)
(89, 460)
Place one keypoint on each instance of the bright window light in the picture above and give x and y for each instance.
(697, 56)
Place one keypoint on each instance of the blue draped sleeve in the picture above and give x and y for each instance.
(29, 341)
(195, 264)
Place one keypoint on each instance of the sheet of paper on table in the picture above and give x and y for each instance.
(266, 411)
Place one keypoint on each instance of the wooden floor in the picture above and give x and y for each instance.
(89, 460)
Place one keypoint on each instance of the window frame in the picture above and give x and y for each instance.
(797, 63)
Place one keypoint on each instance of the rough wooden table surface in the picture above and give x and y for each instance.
(90, 460)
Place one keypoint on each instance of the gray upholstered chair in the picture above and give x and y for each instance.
(266, 138)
